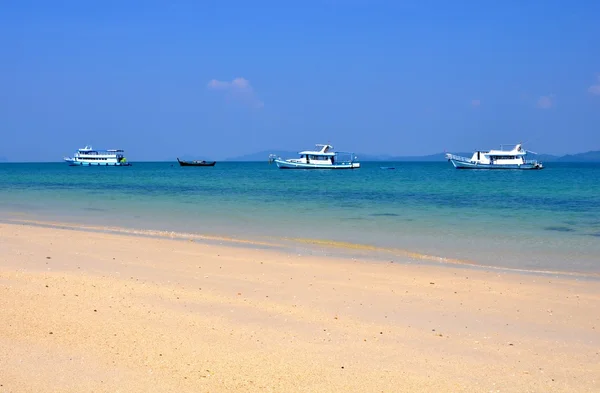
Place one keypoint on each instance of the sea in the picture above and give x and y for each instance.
(544, 221)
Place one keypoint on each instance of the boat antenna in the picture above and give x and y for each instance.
(528, 151)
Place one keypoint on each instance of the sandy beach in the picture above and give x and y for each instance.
(87, 311)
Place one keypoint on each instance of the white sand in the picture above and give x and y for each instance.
(115, 313)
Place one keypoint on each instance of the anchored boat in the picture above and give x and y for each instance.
(90, 157)
(322, 158)
(496, 159)
(196, 163)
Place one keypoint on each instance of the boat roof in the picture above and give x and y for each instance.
(517, 150)
(89, 148)
(323, 150)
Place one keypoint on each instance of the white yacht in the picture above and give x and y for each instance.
(495, 159)
(323, 157)
(87, 156)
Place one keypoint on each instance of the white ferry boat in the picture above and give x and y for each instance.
(322, 158)
(496, 159)
(87, 156)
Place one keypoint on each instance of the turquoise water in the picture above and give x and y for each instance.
(532, 220)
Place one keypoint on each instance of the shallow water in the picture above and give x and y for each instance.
(548, 220)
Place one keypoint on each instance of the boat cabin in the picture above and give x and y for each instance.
(516, 156)
(88, 154)
(323, 154)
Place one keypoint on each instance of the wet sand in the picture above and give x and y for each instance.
(84, 311)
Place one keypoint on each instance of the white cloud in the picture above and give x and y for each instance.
(595, 89)
(238, 89)
(546, 102)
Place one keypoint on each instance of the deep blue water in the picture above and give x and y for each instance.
(548, 219)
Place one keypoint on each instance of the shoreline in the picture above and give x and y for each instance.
(423, 211)
(107, 312)
(326, 248)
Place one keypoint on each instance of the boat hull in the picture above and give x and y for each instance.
(97, 164)
(283, 164)
(191, 163)
(471, 165)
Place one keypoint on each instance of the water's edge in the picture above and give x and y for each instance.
(304, 246)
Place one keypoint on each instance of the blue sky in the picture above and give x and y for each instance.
(216, 79)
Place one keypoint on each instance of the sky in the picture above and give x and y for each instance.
(219, 79)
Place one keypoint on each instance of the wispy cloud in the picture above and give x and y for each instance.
(546, 102)
(475, 103)
(238, 89)
(595, 88)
